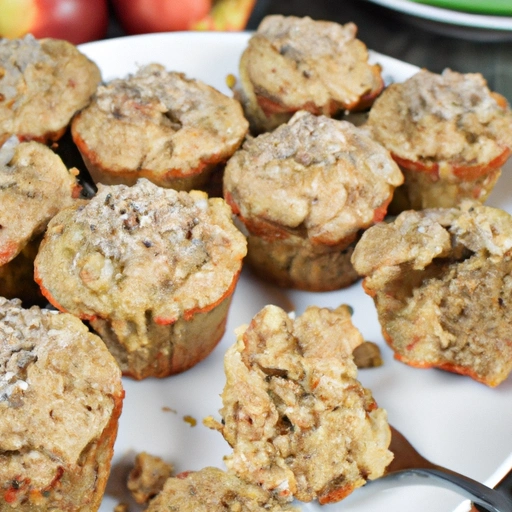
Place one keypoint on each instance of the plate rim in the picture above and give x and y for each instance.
(448, 16)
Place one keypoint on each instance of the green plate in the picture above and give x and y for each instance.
(498, 7)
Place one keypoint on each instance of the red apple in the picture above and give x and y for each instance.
(143, 16)
(77, 21)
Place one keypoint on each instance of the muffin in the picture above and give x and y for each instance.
(304, 192)
(34, 186)
(159, 125)
(448, 132)
(293, 64)
(60, 400)
(440, 279)
(298, 421)
(43, 83)
(152, 269)
(213, 490)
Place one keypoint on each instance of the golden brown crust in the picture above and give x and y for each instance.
(309, 186)
(440, 281)
(299, 422)
(445, 130)
(34, 185)
(60, 401)
(153, 269)
(294, 64)
(158, 125)
(43, 84)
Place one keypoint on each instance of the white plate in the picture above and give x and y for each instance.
(451, 419)
(453, 23)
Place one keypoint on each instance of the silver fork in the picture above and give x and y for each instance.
(408, 461)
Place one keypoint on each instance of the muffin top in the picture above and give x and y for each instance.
(299, 62)
(450, 118)
(293, 411)
(59, 386)
(414, 239)
(314, 176)
(42, 84)
(213, 490)
(136, 251)
(34, 185)
(159, 120)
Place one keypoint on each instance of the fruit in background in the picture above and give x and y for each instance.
(143, 16)
(76, 21)
(227, 15)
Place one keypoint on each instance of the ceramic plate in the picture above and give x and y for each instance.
(439, 17)
(502, 7)
(451, 419)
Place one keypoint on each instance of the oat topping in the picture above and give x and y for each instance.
(299, 37)
(185, 242)
(50, 408)
(294, 63)
(43, 83)
(316, 173)
(160, 120)
(16, 55)
(450, 117)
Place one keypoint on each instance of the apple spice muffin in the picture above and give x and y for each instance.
(159, 125)
(34, 185)
(440, 279)
(298, 421)
(293, 64)
(43, 83)
(60, 400)
(152, 269)
(304, 192)
(448, 132)
(213, 490)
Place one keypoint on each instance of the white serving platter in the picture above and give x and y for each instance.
(451, 419)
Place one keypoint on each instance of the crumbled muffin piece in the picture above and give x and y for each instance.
(294, 64)
(60, 400)
(159, 125)
(152, 269)
(43, 83)
(440, 279)
(299, 422)
(213, 490)
(449, 133)
(148, 476)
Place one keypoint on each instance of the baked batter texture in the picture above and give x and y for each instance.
(152, 269)
(60, 400)
(43, 83)
(450, 134)
(441, 282)
(299, 422)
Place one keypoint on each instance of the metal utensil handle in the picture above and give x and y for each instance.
(478, 493)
